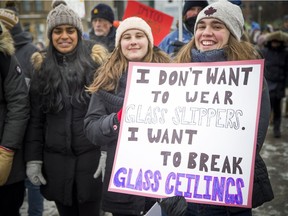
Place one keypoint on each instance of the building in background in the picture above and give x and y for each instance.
(33, 13)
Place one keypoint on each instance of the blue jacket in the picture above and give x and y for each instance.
(167, 43)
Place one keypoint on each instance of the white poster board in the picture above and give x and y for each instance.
(190, 130)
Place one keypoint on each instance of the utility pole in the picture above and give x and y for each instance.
(180, 5)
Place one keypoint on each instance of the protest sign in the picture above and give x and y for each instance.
(159, 22)
(190, 130)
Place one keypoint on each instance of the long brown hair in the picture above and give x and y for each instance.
(108, 75)
(234, 50)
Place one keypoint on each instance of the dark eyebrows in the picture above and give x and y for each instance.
(218, 22)
(214, 21)
(69, 28)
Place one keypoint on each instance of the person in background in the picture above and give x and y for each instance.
(102, 30)
(262, 37)
(14, 116)
(285, 24)
(276, 61)
(40, 45)
(23, 40)
(171, 44)
(254, 32)
(218, 33)
(134, 42)
(24, 46)
(59, 157)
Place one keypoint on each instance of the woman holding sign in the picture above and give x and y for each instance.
(218, 37)
(134, 42)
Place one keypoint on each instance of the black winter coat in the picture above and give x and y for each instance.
(276, 73)
(262, 189)
(99, 128)
(24, 50)
(57, 138)
(24, 46)
(107, 41)
(14, 106)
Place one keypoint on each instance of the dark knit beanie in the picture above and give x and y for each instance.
(102, 11)
(189, 4)
(61, 15)
(11, 5)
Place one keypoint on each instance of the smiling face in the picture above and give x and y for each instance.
(64, 38)
(134, 44)
(211, 34)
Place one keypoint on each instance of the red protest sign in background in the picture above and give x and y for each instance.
(159, 22)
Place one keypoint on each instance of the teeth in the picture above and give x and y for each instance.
(207, 43)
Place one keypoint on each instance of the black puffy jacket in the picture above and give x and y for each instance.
(14, 106)
(98, 124)
(57, 138)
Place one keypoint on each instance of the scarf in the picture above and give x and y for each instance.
(208, 56)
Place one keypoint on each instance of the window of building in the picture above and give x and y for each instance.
(26, 5)
(39, 6)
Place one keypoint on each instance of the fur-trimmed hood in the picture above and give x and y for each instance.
(277, 35)
(98, 53)
(6, 41)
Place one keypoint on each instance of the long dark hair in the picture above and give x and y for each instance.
(53, 84)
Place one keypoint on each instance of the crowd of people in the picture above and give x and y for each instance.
(273, 45)
(61, 103)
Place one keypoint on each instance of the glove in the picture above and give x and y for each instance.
(177, 46)
(174, 206)
(101, 166)
(6, 160)
(34, 173)
(119, 115)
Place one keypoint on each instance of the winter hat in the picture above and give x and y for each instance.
(189, 4)
(11, 21)
(12, 8)
(61, 15)
(230, 14)
(277, 36)
(133, 23)
(8, 18)
(102, 11)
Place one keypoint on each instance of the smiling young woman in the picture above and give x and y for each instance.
(55, 139)
(64, 38)
(219, 37)
(134, 42)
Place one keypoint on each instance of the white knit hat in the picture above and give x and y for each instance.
(230, 14)
(133, 23)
